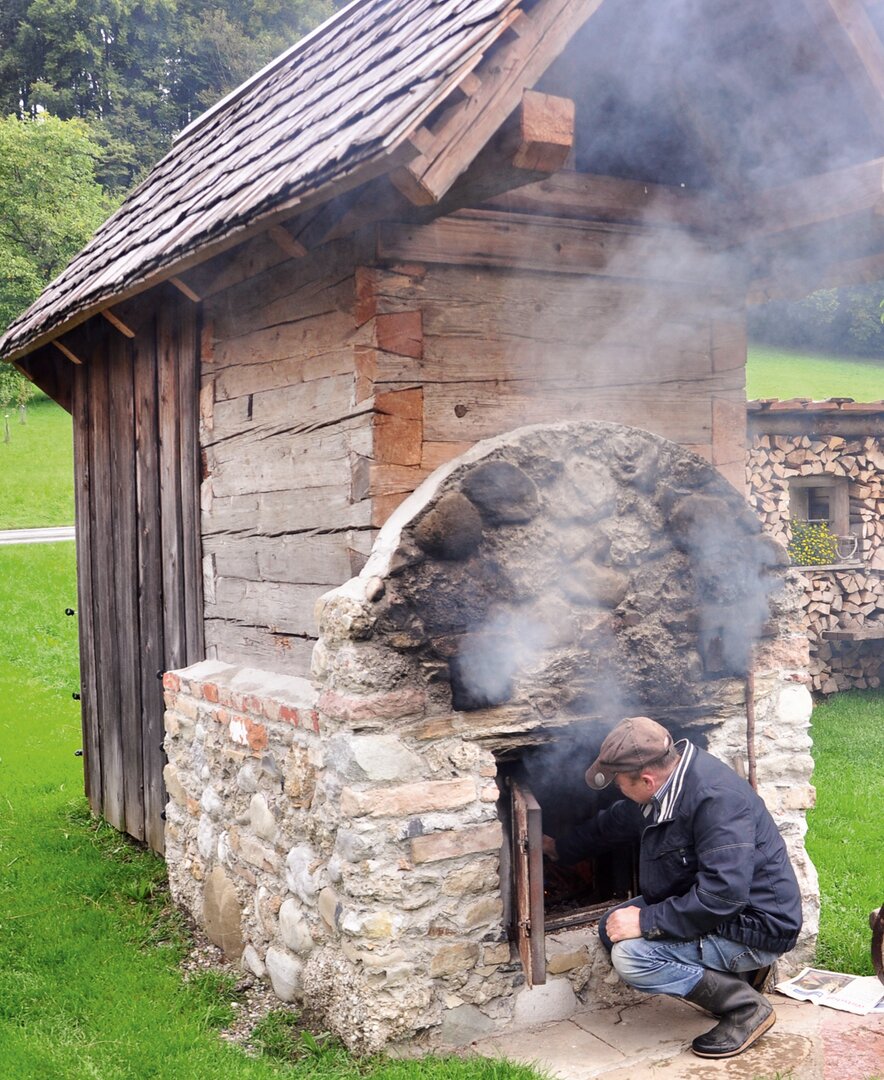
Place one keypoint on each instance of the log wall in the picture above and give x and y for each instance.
(280, 429)
(332, 385)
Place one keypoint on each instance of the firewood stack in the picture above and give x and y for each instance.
(845, 601)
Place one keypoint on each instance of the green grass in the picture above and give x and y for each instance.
(784, 373)
(845, 831)
(36, 467)
(89, 945)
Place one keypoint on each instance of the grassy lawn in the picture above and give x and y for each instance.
(89, 947)
(36, 467)
(845, 831)
(782, 373)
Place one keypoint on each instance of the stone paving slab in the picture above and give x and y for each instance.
(662, 1022)
(853, 1046)
(563, 1049)
(652, 1040)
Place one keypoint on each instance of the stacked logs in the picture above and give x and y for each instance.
(847, 598)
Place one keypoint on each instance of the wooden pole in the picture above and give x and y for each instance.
(750, 727)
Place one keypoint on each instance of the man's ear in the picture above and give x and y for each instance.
(649, 780)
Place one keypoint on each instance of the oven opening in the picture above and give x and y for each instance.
(543, 792)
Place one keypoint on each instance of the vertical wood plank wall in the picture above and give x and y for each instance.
(138, 553)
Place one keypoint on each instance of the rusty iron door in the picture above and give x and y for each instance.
(527, 840)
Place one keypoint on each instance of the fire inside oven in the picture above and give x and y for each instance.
(543, 792)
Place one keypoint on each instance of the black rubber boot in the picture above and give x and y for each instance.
(744, 1015)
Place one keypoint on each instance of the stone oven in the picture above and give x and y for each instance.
(369, 841)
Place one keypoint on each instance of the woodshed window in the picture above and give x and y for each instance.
(823, 501)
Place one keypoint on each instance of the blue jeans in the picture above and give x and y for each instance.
(670, 966)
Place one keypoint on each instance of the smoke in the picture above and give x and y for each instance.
(493, 657)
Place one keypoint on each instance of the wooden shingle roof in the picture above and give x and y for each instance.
(329, 111)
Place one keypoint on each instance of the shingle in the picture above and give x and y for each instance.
(338, 101)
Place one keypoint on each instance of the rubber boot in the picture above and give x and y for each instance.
(744, 1015)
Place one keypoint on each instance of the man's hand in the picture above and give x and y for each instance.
(624, 923)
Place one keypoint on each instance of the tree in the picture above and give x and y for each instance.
(50, 204)
(845, 321)
(138, 70)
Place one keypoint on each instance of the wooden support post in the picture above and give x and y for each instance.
(185, 289)
(848, 31)
(118, 323)
(284, 240)
(65, 351)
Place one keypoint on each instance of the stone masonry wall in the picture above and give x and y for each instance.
(847, 597)
(358, 872)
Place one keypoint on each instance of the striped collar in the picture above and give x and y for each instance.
(663, 803)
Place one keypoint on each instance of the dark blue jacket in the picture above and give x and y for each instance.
(713, 863)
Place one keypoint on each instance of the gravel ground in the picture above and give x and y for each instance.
(253, 998)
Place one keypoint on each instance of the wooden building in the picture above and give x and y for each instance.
(427, 223)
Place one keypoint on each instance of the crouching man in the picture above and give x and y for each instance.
(719, 899)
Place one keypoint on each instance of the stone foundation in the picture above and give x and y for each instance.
(344, 838)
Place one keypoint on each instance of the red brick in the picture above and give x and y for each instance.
(253, 705)
(257, 735)
(171, 681)
(210, 691)
(290, 715)
(314, 716)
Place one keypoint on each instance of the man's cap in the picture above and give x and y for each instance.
(634, 743)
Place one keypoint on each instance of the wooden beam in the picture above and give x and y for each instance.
(608, 198)
(540, 119)
(855, 44)
(813, 200)
(831, 276)
(546, 132)
(486, 238)
(62, 348)
(514, 64)
(286, 243)
(185, 289)
(118, 323)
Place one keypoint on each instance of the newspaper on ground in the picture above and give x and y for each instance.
(860, 994)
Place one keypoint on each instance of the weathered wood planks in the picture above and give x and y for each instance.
(124, 570)
(138, 554)
(150, 577)
(83, 499)
(283, 520)
(104, 610)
